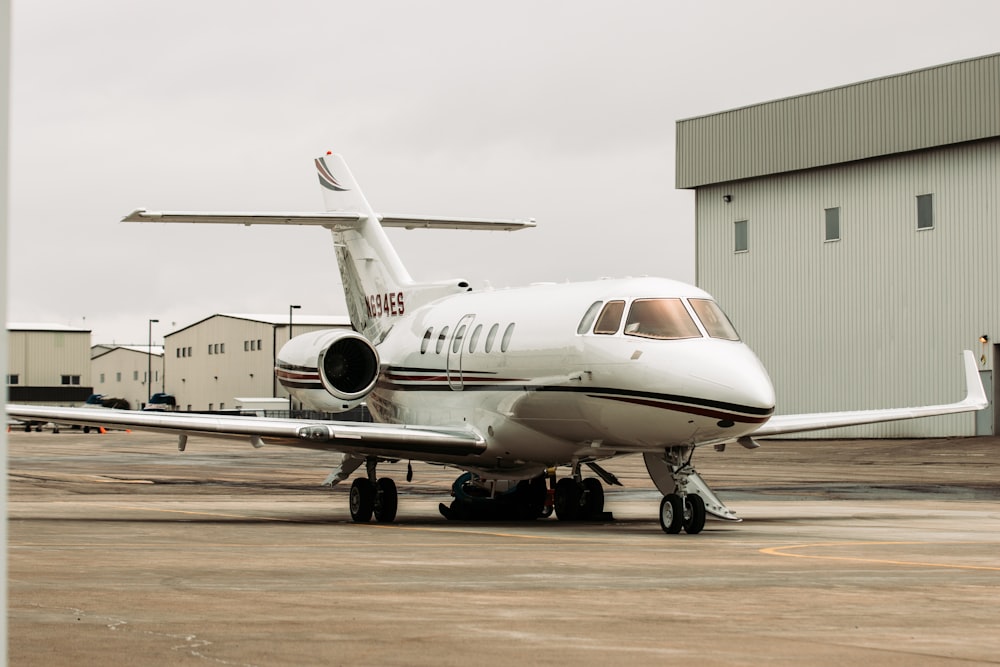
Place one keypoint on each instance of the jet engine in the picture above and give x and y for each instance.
(331, 370)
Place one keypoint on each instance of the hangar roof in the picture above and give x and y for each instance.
(47, 326)
(946, 104)
(278, 320)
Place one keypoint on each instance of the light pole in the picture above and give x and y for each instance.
(149, 363)
(290, 309)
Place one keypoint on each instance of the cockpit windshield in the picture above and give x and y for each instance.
(665, 319)
(714, 320)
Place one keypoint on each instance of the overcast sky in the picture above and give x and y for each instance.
(561, 111)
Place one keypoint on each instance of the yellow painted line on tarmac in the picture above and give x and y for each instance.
(783, 551)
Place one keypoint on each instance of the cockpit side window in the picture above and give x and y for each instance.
(665, 319)
(714, 320)
(611, 318)
(588, 318)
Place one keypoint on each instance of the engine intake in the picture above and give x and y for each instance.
(331, 370)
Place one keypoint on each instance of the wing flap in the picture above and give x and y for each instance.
(426, 442)
(975, 399)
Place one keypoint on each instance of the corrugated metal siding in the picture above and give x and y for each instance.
(878, 318)
(933, 107)
(41, 358)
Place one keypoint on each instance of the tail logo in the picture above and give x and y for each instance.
(326, 177)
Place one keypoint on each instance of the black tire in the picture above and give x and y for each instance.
(387, 500)
(671, 514)
(362, 500)
(593, 498)
(694, 514)
(568, 494)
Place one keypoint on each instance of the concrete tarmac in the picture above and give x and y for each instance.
(124, 551)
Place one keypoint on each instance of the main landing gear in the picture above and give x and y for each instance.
(371, 495)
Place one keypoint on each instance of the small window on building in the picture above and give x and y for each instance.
(742, 243)
(832, 218)
(135, 375)
(611, 318)
(258, 345)
(189, 351)
(102, 378)
(15, 379)
(222, 348)
(118, 377)
(925, 211)
(246, 346)
(491, 337)
(210, 348)
(427, 340)
(178, 351)
(507, 334)
(72, 379)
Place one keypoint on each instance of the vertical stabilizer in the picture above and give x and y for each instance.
(375, 281)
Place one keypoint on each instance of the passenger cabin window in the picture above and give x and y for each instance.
(505, 342)
(611, 318)
(716, 324)
(440, 342)
(664, 319)
(456, 344)
(474, 338)
(588, 318)
(427, 340)
(491, 337)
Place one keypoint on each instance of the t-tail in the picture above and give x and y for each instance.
(376, 284)
(377, 287)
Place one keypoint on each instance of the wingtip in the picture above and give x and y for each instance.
(975, 395)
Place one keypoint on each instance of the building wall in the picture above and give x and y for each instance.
(121, 373)
(51, 366)
(878, 318)
(210, 363)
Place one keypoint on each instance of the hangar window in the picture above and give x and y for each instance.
(588, 318)
(71, 379)
(14, 379)
(742, 243)
(925, 211)
(491, 337)
(135, 375)
(118, 376)
(832, 219)
(665, 319)
(427, 340)
(611, 318)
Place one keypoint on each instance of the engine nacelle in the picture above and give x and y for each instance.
(330, 370)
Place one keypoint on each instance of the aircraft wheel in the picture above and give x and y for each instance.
(388, 500)
(593, 498)
(694, 514)
(362, 500)
(671, 513)
(568, 494)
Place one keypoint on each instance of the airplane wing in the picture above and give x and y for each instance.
(360, 438)
(975, 399)
(338, 219)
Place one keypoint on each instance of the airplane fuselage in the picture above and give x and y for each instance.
(523, 368)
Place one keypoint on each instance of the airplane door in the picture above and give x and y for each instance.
(456, 347)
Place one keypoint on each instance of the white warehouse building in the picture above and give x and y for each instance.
(853, 234)
(209, 364)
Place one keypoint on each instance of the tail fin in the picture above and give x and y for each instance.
(375, 281)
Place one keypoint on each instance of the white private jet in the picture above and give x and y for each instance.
(507, 385)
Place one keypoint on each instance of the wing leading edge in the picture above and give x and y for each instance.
(388, 440)
(975, 399)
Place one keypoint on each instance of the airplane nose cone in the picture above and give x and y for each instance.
(732, 373)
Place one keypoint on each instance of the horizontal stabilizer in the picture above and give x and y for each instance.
(334, 219)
